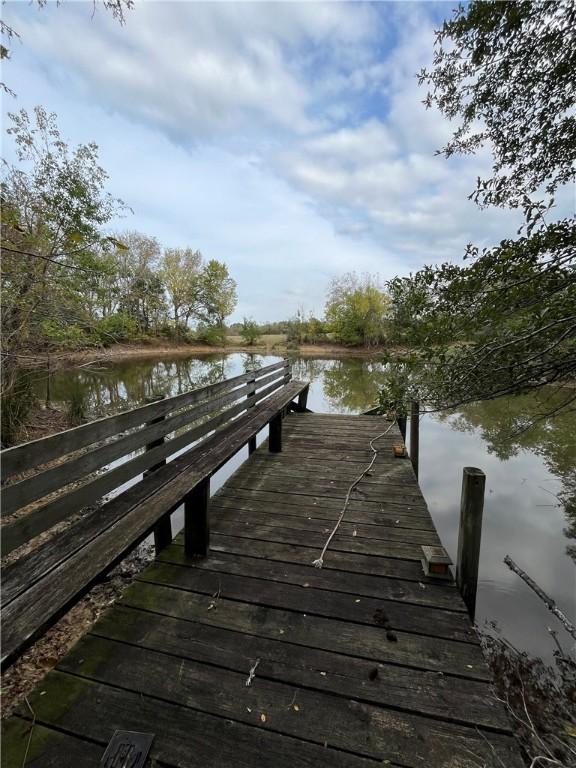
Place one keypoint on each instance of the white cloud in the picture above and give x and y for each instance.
(193, 69)
(288, 139)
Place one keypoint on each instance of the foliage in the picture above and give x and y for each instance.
(357, 310)
(77, 406)
(398, 386)
(304, 330)
(17, 402)
(211, 335)
(66, 283)
(116, 328)
(506, 71)
(181, 274)
(53, 208)
(506, 322)
(539, 698)
(218, 294)
(250, 332)
(63, 336)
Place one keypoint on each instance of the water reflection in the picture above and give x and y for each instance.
(531, 476)
(514, 425)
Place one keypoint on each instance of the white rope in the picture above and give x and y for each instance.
(320, 561)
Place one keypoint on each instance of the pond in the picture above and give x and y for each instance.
(530, 506)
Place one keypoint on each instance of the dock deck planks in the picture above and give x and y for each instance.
(360, 663)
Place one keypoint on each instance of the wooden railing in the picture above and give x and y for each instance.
(158, 430)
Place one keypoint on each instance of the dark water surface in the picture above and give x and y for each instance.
(530, 506)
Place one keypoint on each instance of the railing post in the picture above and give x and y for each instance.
(275, 436)
(414, 434)
(163, 528)
(303, 398)
(196, 520)
(251, 397)
(469, 535)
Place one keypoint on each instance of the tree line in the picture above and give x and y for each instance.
(66, 282)
(357, 313)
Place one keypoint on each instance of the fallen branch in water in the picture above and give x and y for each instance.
(548, 601)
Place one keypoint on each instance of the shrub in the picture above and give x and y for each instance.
(115, 328)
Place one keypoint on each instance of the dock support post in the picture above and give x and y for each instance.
(275, 436)
(251, 397)
(163, 528)
(303, 398)
(469, 535)
(401, 420)
(196, 520)
(414, 434)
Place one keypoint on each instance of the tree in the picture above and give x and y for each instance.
(138, 287)
(218, 296)
(250, 332)
(357, 310)
(53, 208)
(183, 277)
(505, 323)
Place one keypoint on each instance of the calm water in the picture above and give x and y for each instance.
(530, 507)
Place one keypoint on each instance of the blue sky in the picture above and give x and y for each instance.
(287, 139)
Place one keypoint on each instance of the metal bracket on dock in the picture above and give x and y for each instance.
(127, 749)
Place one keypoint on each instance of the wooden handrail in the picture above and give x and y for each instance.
(29, 455)
(77, 468)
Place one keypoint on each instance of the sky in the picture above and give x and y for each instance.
(288, 140)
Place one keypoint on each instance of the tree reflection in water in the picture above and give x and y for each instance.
(513, 424)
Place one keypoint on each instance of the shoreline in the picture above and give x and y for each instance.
(85, 357)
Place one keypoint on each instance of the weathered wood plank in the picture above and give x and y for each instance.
(321, 718)
(383, 477)
(334, 489)
(421, 619)
(28, 526)
(378, 547)
(28, 455)
(361, 662)
(33, 610)
(34, 745)
(420, 652)
(304, 555)
(229, 521)
(413, 520)
(22, 493)
(445, 697)
(440, 595)
(183, 735)
(299, 500)
(28, 615)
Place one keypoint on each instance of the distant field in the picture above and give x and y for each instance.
(266, 340)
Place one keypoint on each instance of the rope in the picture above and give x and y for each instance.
(320, 561)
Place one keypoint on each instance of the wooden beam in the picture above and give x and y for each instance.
(469, 535)
(163, 530)
(251, 403)
(275, 437)
(414, 435)
(303, 398)
(196, 520)
(36, 452)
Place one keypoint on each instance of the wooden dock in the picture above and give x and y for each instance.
(254, 657)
